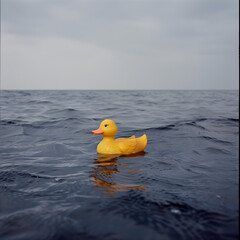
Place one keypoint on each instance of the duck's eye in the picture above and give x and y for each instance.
(106, 125)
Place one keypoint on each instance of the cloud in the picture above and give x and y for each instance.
(54, 63)
(158, 44)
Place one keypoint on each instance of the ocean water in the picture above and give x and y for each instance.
(53, 184)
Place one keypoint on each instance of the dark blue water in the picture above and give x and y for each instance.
(53, 185)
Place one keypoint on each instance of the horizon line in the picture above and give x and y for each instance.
(113, 89)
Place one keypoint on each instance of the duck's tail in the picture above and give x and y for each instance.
(141, 143)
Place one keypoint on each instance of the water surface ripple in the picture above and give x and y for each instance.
(53, 184)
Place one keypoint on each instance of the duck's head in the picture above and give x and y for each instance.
(107, 128)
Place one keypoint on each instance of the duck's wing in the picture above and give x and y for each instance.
(132, 137)
(128, 146)
(125, 139)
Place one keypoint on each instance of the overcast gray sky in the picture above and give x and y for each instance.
(119, 44)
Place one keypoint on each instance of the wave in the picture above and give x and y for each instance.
(11, 122)
(55, 150)
(170, 218)
(215, 140)
(192, 123)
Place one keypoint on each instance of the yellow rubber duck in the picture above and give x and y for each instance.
(122, 146)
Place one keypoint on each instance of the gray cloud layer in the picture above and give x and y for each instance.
(120, 44)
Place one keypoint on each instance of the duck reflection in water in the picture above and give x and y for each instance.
(107, 167)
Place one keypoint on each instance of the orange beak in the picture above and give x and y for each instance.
(98, 132)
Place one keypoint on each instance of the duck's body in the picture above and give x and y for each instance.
(122, 146)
